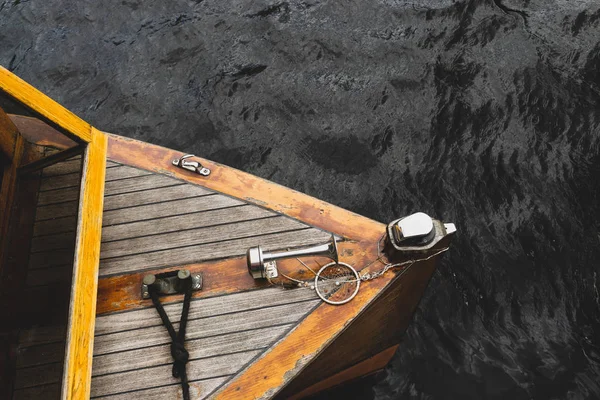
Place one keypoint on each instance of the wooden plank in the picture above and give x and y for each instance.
(125, 253)
(157, 195)
(41, 335)
(197, 348)
(204, 308)
(200, 369)
(48, 392)
(222, 212)
(211, 251)
(55, 225)
(198, 390)
(118, 225)
(61, 181)
(57, 115)
(138, 184)
(204, 327)
(49, 243)
(55, 258)
(168, 208)
(66, 167)
(38, 375)
(184, 197)
(250, 188)
(59, 210)
(191, 237)
(47, 276)
(58, 196)
(124, 172)
(38, 132)
(82, 315)
(42, 354)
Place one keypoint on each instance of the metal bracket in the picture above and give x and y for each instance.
(170, 282)
(193, 166)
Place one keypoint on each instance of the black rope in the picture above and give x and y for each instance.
(178, 352)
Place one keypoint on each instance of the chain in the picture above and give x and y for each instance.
(368, 276)
(373, 275)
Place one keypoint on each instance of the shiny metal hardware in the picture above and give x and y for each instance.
(416, 229)
(414, 233)
(193, 166)
(170, 282)
(257, 259)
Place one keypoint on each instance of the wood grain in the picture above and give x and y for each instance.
(249, 188)
(80, 337)
(139, 183)
(161, 375)
(66, 167)
(221, 231)
(202, 308)
(203, 327)
(185, 205)
(55, 225)
(57, 116)
(198, 390)
(211, 251)
(179, 191)
(216, 210)
(38, 132)
(51, 391)
(64, 209)
(198, 348)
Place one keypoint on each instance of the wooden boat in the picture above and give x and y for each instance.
(90, 221)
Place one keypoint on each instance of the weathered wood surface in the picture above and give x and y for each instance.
(51, 391)
(161, 375)
(41, 343)
(131, 351)
(199, 389)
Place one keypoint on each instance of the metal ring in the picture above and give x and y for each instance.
(322, 296)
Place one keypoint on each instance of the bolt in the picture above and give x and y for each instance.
(149, 279)
(183, 274)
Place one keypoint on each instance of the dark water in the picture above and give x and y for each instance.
(483, 113)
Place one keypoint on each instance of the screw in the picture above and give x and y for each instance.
(149, 279)
(183, 274)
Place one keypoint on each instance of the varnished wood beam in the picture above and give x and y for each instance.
(50, 110)
(7, 189)
(8, 138)
(40, 133)
(82, 313)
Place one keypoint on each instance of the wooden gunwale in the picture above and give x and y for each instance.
(82, 313)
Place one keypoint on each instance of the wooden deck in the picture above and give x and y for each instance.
(41, 347)
(153, 221)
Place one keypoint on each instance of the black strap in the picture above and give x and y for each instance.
(178, 351)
